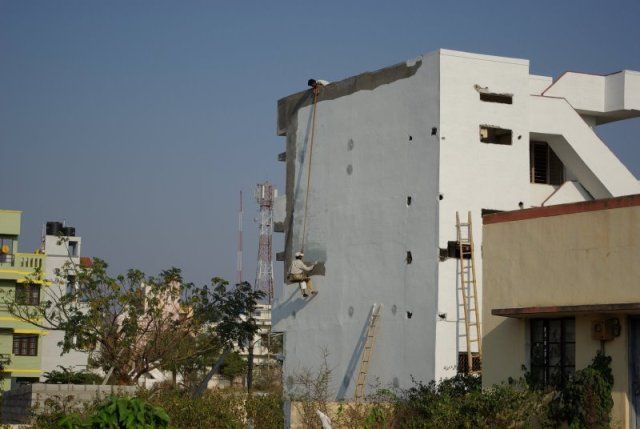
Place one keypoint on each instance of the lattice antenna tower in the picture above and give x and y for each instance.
(265, 194)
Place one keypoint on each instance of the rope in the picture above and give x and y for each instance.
(316, 91)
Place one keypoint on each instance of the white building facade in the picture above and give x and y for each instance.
(61, 251)
(397, 152)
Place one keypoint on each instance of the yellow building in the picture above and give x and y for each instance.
(561, 283)
(20, 342)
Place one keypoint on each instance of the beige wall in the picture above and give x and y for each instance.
(581, 258)
(574, 259)
(10, 222)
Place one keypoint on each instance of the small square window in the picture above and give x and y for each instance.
(495, 135)
(463, 362)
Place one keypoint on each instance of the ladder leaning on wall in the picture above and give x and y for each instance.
(469, 291)
(369, 343)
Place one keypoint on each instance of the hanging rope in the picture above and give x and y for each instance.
(316, 91)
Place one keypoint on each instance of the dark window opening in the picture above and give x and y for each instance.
(553, 351)
(463, 363)
(408, 201)
(453, 250)
(545, 166)
(496, 98)
(409, 258)
(25, 345)
(28, 294)
(71, 285)
(495, 135)
(73, 248)
(484, 212)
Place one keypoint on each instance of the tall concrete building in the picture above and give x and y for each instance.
(62, 249)
(397, 152)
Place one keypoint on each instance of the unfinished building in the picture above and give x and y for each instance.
(397, 153)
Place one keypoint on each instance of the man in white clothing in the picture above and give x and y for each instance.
(298, 273)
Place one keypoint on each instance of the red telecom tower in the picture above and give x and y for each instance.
(265, 194)
(239, 252)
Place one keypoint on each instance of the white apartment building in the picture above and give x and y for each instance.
(60, 254)
(397, 152)
(261, 354)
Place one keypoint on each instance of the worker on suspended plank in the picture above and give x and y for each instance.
(298, 273)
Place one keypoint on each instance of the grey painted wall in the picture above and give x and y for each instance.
(373, 149)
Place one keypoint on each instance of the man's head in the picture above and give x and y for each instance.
(299, 255)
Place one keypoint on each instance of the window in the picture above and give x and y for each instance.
(485, 212)
(73, 248)
(28, 294)
(545, 166)
(553, 351)
(495, 135)
(6, 248)
(453, 250)
(71, 285)
(25, 345)
(463, 362)
(496, 98)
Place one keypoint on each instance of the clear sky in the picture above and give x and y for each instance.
(140, 121)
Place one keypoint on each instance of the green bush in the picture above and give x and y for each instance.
(119, 413)
(460, 402)
(68, 376)
(585, 401)
(266, 410)
(214, 409)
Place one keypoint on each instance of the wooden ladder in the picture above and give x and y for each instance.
(469, 290)
(369, 343)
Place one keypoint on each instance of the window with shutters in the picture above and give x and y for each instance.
(25, 345)
(28, 294)
(545, 166)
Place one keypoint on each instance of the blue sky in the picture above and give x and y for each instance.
(139, 121)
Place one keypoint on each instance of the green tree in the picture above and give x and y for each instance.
(133, 324)
(233, 366)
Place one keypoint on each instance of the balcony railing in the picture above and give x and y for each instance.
(22, 261)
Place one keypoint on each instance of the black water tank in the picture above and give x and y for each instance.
(53, 228)
(68, 231)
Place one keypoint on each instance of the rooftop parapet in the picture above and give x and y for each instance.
(608, 98)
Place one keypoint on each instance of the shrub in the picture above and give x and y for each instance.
(122, 413)
(460, 402)
(214, 409)
(266, 410)
(67, 376)
(585, 401)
